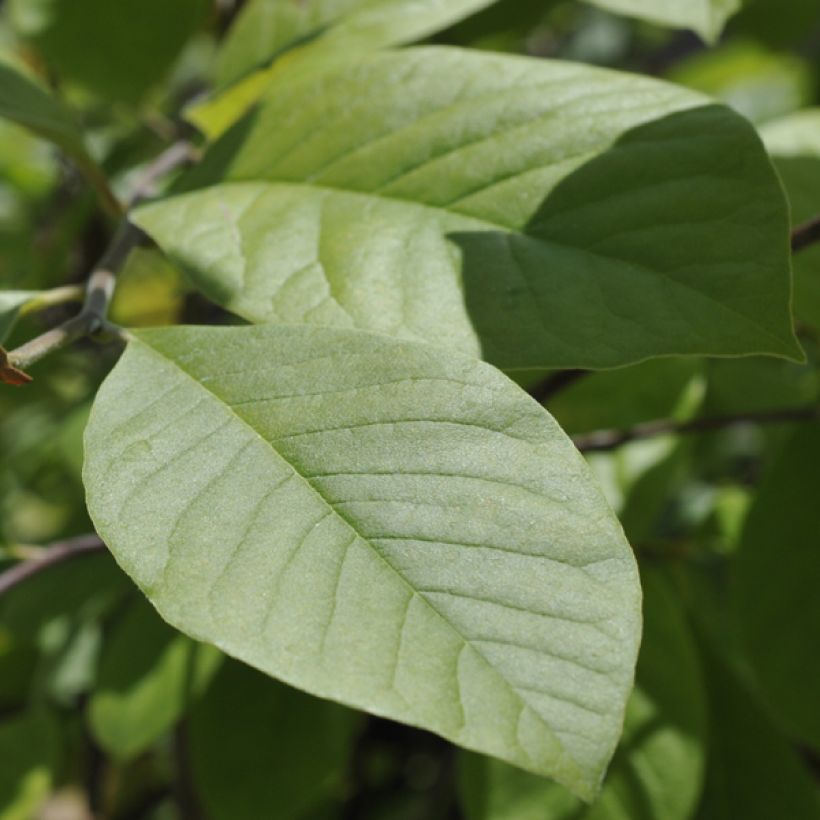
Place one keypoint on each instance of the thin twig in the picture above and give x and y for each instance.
(602, 440)
(176, 156)
(555, 383)
(52, 555)
(806, 234)
(99, 182)
(99, 289)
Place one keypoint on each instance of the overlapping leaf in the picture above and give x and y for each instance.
(312, 33)
(117, 50)
(24, 102)
(542, 214)
(794, 143)
(706, 17)
(377, 522)
(778, 572)
(149, 676)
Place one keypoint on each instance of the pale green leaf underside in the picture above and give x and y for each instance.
(657, 771)
(377, 522)
(540, 214)
(706, 17)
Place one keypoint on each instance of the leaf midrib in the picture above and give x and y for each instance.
(566, 758)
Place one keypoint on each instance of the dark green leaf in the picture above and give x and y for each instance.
(255, 742)
(29, 750)
(117, 50)
(149, 676)
(752, 772)
(778, 575)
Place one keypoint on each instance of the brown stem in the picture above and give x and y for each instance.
(806, 234)
(602, 440)
(102, 280)
(52, 555)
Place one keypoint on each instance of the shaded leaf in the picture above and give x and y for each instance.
(376, 522)
(255, 742)
(752, 771)
(777, 578)
(542, 214)
(149, 677)
(24, 102)
(794, 143)
(706, 17)
(29, 749)
(116, 50)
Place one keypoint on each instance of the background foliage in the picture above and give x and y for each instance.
(105, 710)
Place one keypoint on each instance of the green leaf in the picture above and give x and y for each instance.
(542, 214)
(149, 676)
(794, 143)
(706, 17)
(266, 28)
(11, 303)
(376, 522)
(294, 747)
(317, 36)
(777, 578)
(752, 771)
(116, 50)
(16, 303)
(658, 768)
(29, 749)
(757, 82)
(25, 103)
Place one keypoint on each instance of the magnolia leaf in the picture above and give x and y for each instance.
(313, 33)
(657, 771)
(753, 771)
(149, 676)
(794, 143)
(277, 728)
(376, 522)
(116, 50)
(266, 28)
(706, 17)
(30, 750)
(778, 572)
(541, 214)
(25, 103)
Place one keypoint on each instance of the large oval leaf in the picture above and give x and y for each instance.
(657, 771)
(546, 214)
(377, 522)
